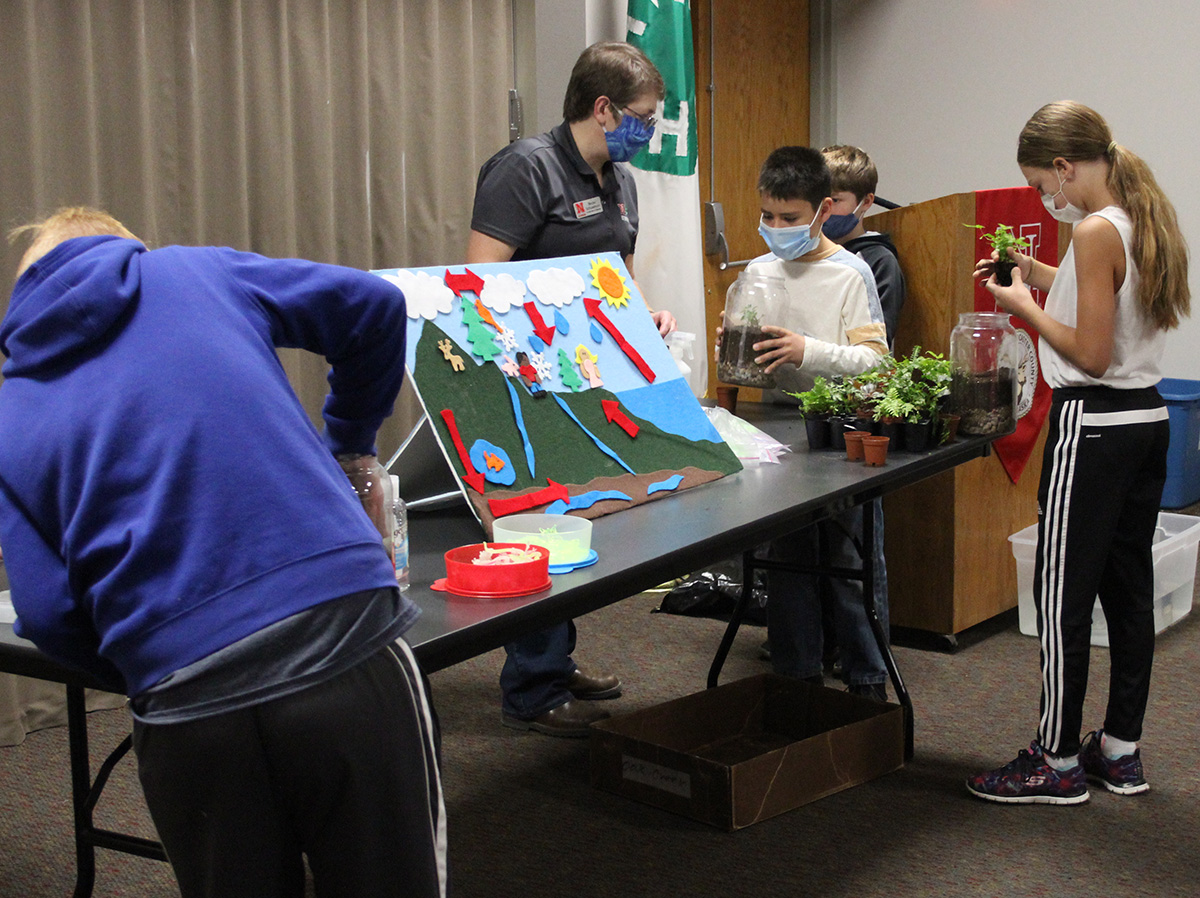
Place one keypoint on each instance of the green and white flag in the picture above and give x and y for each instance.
(670, 265)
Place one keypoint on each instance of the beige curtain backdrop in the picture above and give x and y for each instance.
(345, 131)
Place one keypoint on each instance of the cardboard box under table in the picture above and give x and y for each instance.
(740, 753)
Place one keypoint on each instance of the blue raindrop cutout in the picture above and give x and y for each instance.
(560, 323)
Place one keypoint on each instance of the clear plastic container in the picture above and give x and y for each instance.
(373, 486)
(1175, 544)
(680, 344)
(985, 356)
(567, 538)
(399, 534)
(750, 302)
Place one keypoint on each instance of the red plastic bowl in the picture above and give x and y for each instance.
(494, 581)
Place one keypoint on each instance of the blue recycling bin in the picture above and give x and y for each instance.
(1183, 455)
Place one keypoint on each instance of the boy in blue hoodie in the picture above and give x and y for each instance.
(173, 524)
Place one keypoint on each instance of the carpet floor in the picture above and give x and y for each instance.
(524, 821)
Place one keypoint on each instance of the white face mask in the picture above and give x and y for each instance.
(1069, 213)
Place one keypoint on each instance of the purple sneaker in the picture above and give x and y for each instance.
(1120, 775)
(1029, 779)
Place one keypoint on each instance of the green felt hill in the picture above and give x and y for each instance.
(482, 405)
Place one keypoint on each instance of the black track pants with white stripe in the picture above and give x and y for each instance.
(1102, 478)
(345, 772)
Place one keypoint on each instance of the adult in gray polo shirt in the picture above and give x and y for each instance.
(566, 193)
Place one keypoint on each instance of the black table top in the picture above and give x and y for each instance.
(638, 548)
(647, 545)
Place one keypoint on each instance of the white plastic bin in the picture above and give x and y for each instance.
(1175, 545)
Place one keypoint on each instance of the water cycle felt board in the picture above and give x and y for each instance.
(550, 389)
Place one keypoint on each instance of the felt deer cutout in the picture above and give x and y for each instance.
(455, 360)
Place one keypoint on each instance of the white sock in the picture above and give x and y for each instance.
(1113, 748)
(1065, 763)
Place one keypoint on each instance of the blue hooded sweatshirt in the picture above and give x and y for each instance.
(163, 493)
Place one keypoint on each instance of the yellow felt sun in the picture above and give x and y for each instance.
(611, 284)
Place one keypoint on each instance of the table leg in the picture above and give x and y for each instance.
(882, 639)
(735, 619)
(85, 793)
(81, 787)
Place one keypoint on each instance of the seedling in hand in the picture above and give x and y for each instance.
(1002, 240)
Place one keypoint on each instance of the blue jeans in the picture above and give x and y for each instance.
(794, 600)
(534, 678)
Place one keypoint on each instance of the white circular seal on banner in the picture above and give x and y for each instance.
(1027, 373)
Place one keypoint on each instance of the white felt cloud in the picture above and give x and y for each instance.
(425, 296)
(555, 286)
(501, 292)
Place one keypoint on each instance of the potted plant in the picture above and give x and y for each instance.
(936, 375)
(911, 395)
(869, 389)
(1002, 240)
(847, 399)
(817, 405)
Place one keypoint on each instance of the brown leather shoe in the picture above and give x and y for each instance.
(592, 687)
(570, 719)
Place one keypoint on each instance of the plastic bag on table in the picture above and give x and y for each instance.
(747, 441)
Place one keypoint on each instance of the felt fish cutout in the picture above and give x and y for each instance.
(494, 462)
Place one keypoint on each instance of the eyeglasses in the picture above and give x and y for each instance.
(649, 119)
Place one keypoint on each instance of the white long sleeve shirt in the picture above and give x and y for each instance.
(834, 304)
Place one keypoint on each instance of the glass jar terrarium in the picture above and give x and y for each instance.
(750, 302)
(984, 357)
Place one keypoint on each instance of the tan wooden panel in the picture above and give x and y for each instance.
(949, 562)
(759, 73)
(933, 253)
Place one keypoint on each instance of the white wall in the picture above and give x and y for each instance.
(548, 36)
(938, 90)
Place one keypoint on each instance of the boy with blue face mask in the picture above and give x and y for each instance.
(854, 180)
(831, 326)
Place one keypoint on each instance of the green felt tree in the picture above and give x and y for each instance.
(483, 344)
(567, 372)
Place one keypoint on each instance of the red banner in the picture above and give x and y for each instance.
(1021, 209)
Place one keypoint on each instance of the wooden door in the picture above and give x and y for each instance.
(752, 95)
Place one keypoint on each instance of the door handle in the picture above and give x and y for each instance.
(714, 237)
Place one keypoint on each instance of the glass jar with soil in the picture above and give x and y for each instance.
(984, 356)
(752, 301)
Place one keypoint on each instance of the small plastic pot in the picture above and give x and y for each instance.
(875, 450)
(854, 444)
(817, 431)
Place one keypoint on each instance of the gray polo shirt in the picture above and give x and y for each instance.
(539, 195)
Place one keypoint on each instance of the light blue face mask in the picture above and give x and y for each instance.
(627, 138)
(791, 243)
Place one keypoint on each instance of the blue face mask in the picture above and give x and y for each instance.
(629, 137)
(791, 243)
(838, 226)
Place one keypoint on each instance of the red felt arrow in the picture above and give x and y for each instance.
(473, 478)
(614, 415)
(545, 334)
(593, 311)
(552, 493)
(468, 281)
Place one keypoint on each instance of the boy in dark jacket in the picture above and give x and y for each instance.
(854, 182)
